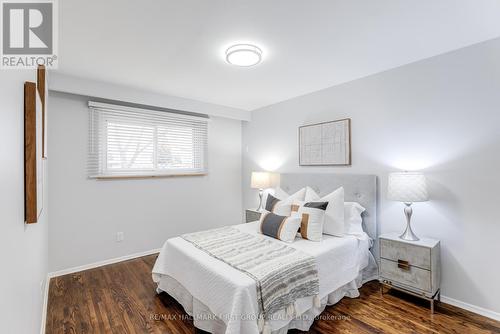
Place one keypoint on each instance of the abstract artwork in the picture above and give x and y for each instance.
(325, 144)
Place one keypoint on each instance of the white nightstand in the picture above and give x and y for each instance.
(251, 215)
(413, 267)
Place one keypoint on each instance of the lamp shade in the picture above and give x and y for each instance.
(407, 187)
(261, 180)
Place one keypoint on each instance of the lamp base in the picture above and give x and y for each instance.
(261, 192)
(408, 233)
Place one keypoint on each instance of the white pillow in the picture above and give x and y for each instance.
(279, 227)
(311, 195)
(353, 219)
(280, 193)
(334, 214)
(283, 207)
(312, 216)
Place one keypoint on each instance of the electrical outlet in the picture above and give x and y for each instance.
(120, 236)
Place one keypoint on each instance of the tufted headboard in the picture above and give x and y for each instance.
(358, 188)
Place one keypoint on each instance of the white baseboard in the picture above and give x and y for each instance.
(101, 263)
(473, 308)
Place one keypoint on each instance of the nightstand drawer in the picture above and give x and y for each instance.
(406, 274)
(415, 255)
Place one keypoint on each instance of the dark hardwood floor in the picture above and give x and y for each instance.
(121, 298)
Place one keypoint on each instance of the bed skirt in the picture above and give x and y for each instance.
(205, 320)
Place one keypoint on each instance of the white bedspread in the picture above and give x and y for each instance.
(231, 294)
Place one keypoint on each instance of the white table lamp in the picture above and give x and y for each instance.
(261, 181)
(408, 187)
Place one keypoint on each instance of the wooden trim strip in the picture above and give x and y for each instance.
(30, 186)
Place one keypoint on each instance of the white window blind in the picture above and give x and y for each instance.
(126, 141)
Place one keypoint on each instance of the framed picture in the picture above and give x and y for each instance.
(33, 147)
(325, 144)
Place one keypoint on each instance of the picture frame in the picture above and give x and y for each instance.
(325, 143)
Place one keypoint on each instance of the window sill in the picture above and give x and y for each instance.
(131, 177)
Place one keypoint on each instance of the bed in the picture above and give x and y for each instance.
(222, 299)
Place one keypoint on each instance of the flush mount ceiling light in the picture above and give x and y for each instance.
(243, 55)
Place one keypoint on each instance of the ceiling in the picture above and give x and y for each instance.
(176, 47)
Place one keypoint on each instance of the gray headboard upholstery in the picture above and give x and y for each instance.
(358, 188)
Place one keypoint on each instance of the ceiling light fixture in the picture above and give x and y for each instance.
(244, 55)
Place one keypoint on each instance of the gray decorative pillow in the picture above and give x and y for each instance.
(271, 202)
(279, 227)
(283, 207)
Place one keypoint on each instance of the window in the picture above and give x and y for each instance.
(126, 141)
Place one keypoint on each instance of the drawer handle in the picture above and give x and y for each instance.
(405, 265)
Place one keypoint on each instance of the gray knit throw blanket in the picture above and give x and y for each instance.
(282, 274)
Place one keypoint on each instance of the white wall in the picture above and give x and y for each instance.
(441, 116)
(75, 85)
(86, 214)
(23, 248)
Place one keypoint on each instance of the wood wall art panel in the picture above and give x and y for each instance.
(30, 172)
(33, 161)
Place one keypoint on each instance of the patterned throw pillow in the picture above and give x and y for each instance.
(271, 202)
(334, 214)
(283, 207)
(279, 227)
(312, 215)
